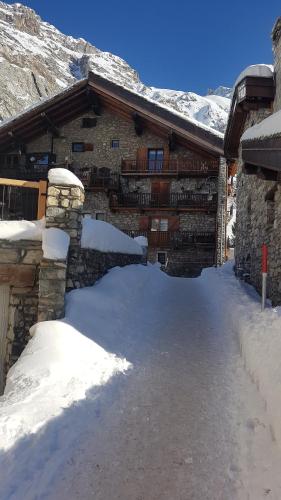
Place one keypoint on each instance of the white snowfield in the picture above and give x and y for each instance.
(63, 177)
(262, 70)
(269, 127)
(55, 243)
(15, 230)
(102, 236)
(140, 392)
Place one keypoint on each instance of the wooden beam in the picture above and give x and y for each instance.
(172, 141)
(42, 198)
(266, 174)
(50, 124)
(139, 126)
(15, 182)
(94, 101)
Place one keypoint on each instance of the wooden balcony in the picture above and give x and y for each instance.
(172, 201)
(176, 239)
(184, 167)
(97, 182)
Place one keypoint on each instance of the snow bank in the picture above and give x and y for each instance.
(15, 230)
(55, 243)
(268, 127)
(62, 176)
(104, 237)
(66, 362)
(260, 334)
(141, 240)
(261, 70)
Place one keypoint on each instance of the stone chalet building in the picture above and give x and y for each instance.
(145, 169)
(253, 142)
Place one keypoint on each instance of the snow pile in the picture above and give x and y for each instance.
(259, 333)
(55, 243)
(269, 127)
(101, 236)
(15, 230)
(63, 177)
(141, 240)
(258, 70)
(52, 391)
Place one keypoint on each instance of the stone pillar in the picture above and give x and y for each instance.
(64, 206)
(276, 39)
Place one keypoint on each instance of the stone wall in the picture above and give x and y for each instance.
(19, 269)
(258, 221)
(109, 126)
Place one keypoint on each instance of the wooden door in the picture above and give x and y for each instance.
(4, 311)
(160, 193)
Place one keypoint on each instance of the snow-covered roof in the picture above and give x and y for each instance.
(101, 236)
(269, 127)
(258, 70)
(62, 176)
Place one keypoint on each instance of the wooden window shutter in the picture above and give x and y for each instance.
(142, 158)
(174, 223)
(88, 146)
(144, 223)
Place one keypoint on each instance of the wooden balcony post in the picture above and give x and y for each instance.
(42, 197)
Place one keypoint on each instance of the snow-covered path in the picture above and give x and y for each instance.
(186, 422)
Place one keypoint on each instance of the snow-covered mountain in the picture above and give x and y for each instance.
(37, 60)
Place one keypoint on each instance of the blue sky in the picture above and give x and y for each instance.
(174, 44)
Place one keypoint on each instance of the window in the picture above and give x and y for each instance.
(162, 258)
(89, 122)
(100, 216)
(78, 147)
(38, 160)
(115, 143)
(159, 224)
(155, 159)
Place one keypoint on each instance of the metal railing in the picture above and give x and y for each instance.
(158, 200)
(190, 166)
(176, 239)
(91, 179)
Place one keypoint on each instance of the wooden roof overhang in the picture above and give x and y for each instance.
(263, 153)
(97, 93)
(252, 93)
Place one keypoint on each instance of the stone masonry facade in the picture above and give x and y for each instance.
(259, 210)
(110, 127)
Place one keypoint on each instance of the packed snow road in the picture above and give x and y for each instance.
(185, 422)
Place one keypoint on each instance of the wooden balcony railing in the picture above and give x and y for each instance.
(176, 239)
(171, 201)
(92, 180)
(188, 166)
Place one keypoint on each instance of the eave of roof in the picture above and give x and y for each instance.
(73, 100)
(261, 93)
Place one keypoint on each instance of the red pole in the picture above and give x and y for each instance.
(264, 258)
(264, 253)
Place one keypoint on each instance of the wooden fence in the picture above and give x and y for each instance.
(11, 197)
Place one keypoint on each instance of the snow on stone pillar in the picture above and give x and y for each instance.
(65, 199)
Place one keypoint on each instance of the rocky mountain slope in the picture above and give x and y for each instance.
(37, 60)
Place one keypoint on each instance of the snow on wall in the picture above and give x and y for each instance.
(55, 244)
(104, 237)
(15, 230)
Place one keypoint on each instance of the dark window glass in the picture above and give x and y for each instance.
(78, 147)
(100, 216)
(161, 257)
(115, 143)
(155, 159)
(40, 159)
